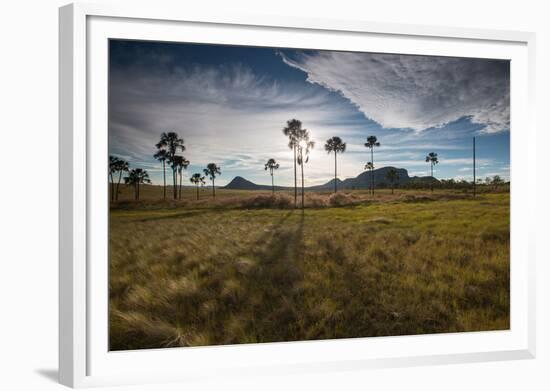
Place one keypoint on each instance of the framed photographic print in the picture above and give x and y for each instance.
(256, 195)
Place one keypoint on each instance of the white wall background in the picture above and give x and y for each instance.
(28, 214)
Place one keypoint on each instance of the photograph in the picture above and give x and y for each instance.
(277, 194)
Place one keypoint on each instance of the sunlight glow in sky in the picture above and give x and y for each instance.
(231, 103)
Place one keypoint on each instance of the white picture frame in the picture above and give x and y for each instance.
(83, 36)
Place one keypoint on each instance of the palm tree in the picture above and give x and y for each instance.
(372, 142)
(180, 164)
(172, 143)
(123, 166)
(293, 127)
(304, 147)
(116, 165)
(162, 156)
(113, 162)
(198, 180)
(136, 177)
(369, 166)
(433, 160)
(335, 145)
(211, 171)
(393, 177)
(272, 165)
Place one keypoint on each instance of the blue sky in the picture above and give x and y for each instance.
(230, 103)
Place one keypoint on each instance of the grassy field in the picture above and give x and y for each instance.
(236, 270)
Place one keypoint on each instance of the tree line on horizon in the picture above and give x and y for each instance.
(299, 141)
(167, 153)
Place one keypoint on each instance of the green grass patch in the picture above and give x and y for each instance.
(202, 274)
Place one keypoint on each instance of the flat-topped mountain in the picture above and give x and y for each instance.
(361, 181)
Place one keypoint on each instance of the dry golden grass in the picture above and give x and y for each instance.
(246, 268)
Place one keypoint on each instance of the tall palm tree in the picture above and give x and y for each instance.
(211, 171)
(136, 177)
(123, 166)
(372, 142)
(180, 163)
(393, 177)
(433, 160)
(336, 145)
(162, 156)
(304, 147)
(293, 127)
(116, 165)
(197, 179)
(369, 166)
(272, 165)
(172, 143)
(113, 162)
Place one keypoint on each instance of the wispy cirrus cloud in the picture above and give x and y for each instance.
(227, 114)
(415, 92)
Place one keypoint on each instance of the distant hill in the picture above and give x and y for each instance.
(362, 181)
(240, 183)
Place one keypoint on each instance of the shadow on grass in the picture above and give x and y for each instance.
(179, 215)
(201, 212)
(276, 281)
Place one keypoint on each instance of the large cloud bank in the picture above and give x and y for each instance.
(416, 92)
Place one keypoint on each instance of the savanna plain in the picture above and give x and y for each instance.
(248, 267)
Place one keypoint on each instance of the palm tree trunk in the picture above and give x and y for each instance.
(175, 183)
(118, 184)
(213, 188)
(302, 165)
(432, 178)
(474, 164)
(295, 180)
(197, 192)
(272, 184)
(112, 188)
(179, 196)
(335, 175)
(370, 187)
(164, 177)
(372, 171)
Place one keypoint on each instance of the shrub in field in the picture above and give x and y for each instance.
(316, 201)
(340, 199)
(267, 201)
